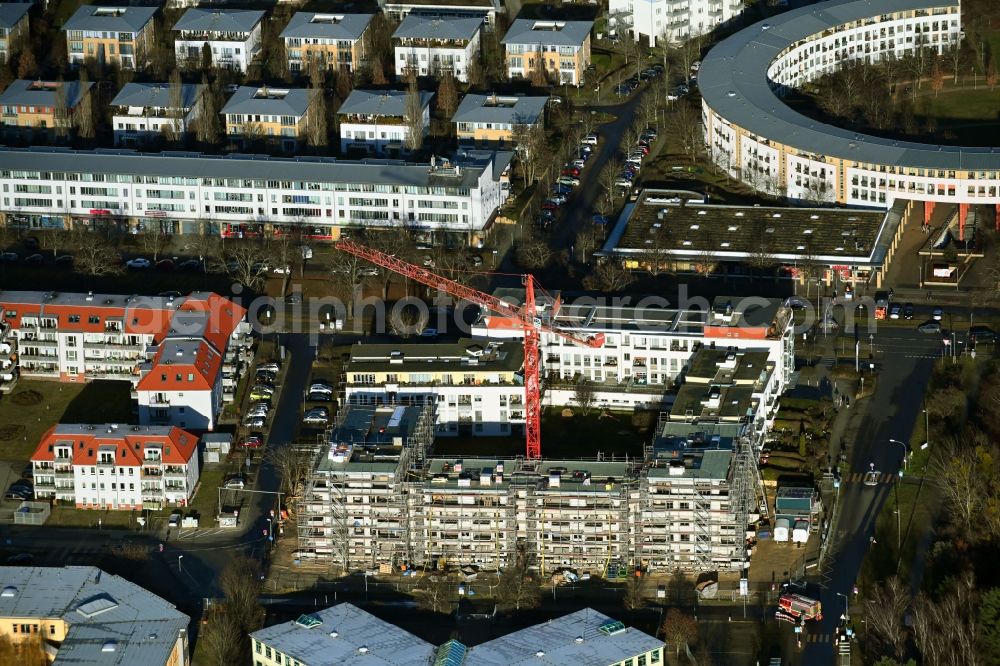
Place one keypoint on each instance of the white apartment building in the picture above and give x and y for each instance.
(477, 389)
(647, 345)
(670, 20)
(243, 194)
(431, 46)
(232, 35)
(115, 466)
(375, 121)
(560, 49)
(144, 112)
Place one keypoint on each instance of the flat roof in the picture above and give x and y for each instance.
(661, 222)
(547, 32)
(583, 637)
(219, 20)
(270, 100)
(417, 5)
(327, 25)
(112, 19)
(156, 95)
(711, 401)
(694, 450)
(722, 365)
(23, 92)
(12, 12)
(345, 635)
(464, 356)
(380, 102)
(11, 297)
(450, 473)
(416, 26)
(494, 108)
(733, 81)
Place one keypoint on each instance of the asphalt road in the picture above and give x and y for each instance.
(906, 359)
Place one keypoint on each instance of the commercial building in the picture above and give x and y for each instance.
(85, 616)
(433, 46)
(46, 107)
(327, 41)
(232, 36)
(755, 137)
(145, 112)
(670, 230)
(13, 27)
(491, 120)
(119, 36)
(671, 20)
(487, 10)
(375, 121)
(559, 48)
(278, 117)
(342, 634)
(250, 194)
(477, 388)
(116, 466)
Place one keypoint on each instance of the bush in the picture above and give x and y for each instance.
(27, 398)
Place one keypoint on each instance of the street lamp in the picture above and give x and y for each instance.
(896, 441)
(179, 568)
(847, 608)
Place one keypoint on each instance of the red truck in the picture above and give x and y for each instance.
(800, 606)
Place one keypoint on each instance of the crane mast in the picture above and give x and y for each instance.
(526, 315)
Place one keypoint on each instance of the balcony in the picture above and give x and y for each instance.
(175, 472)
(151, 474)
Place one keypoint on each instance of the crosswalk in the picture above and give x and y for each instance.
(859, 477)
(819, 638)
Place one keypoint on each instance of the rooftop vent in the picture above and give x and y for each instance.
(363, 649)
(109, 646)
(9, 591)
(540, 654)
(739, 213)
(814, 217)
(611, 627)
(334, 634)
(578, 639)
(308, 621)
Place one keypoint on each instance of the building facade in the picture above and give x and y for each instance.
(432, 46)
(326, 41)
(487, 10)
(375, 121)
(250, 195)
(493, 120)
(47, 107)
(147, 112)
(231, 35)
(82, 615)
(13, 27)
(671, 20)
(119, 36)
(559, 48)
(477, 389)
(277, 117)
(116, 467)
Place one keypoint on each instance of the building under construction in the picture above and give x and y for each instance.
(377, 498)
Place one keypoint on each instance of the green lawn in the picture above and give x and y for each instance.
(963, 104)
(22, 425)
(205, 503)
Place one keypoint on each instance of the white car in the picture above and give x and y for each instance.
(254, 422)
(282, 270)
(590, 139)
(236, 482)
(568, 180)
(623, 183)
(138, 264)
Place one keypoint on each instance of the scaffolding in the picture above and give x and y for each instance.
(747, 488)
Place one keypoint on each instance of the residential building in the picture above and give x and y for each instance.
(487, 10)
(560, 48)
(432, 46)
(276, 116)
(646, 345)
(231, 35)
(478, 388)
(493, 120)
(354, 511)
(13, 27)
(329, 41)
(146, 112)
(83, 615)
(116, 466)
(344, 635)
(41, 106)
(119, 36)
(375, 121)
(249, 195)
(584, 637)
(672, 21)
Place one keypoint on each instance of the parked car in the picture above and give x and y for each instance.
(930, 327)
(254, 421)
(319, 397)
(264, 377)
(894, 311)
(590, 139)
(320, 386)
(8, 256)
(559, 198)
(316, 416)
(21, 559)
(568, 180)
(261, 392)
(252, 442)
(579, 164)
(236, 482)
(550, 205)
(137, 264)
(18, 494)
(64, 260)
(623, 183)
(979, 334)
(282, 270)
(174, 520)
(34, 259)
(908, 311)
(559, 188)
(189, 265)
(600, 219)
(642, 148)
(165, 265)
(570, 170)
(938, 314)
(271, 366)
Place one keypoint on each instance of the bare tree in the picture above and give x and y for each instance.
(83, 114)
(174, 128)
(534, 252)
(94, 255)
(293, 467)
(437, 594)
(414, 116)
(222, 637)
(964, 477)
(154, 239)
(884, 609)
(246, 262)
(208, 126)
(350, 276)
(761, 254)
(585, 395)
(529, 143)
(609, 177)
(609, 276)
(684, 124)
(680, 630)
(518, 587)
(447, 95)
(27, 66)
(635, 593)
(316, 128)
(60, 113)
(539, 78)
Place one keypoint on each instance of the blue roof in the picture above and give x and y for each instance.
(329, 25)
(112, 19)
(12, 12)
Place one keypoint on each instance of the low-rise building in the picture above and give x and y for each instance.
(478, 388)
(559, 48)
(117, 467)
(487, 10)
(325, 40)
(41, 106)
(276, 116)
(13, 27)
(232, 36)
(375, 121)
(671, 21)
(145, 112)
(432, 46)
(342, 634)
(487, 120)
(83, 615)
(119, 36)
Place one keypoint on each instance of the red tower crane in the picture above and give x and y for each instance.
(525, 315)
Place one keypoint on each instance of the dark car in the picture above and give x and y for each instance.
(64, 260)
(930, 327)
(979, 334)
(908, 311)
(165, 265)
(189, 265)
(21, 558)
(550, 205)
(34, 259)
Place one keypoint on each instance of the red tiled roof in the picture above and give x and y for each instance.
(178, 445)
(168, 376)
